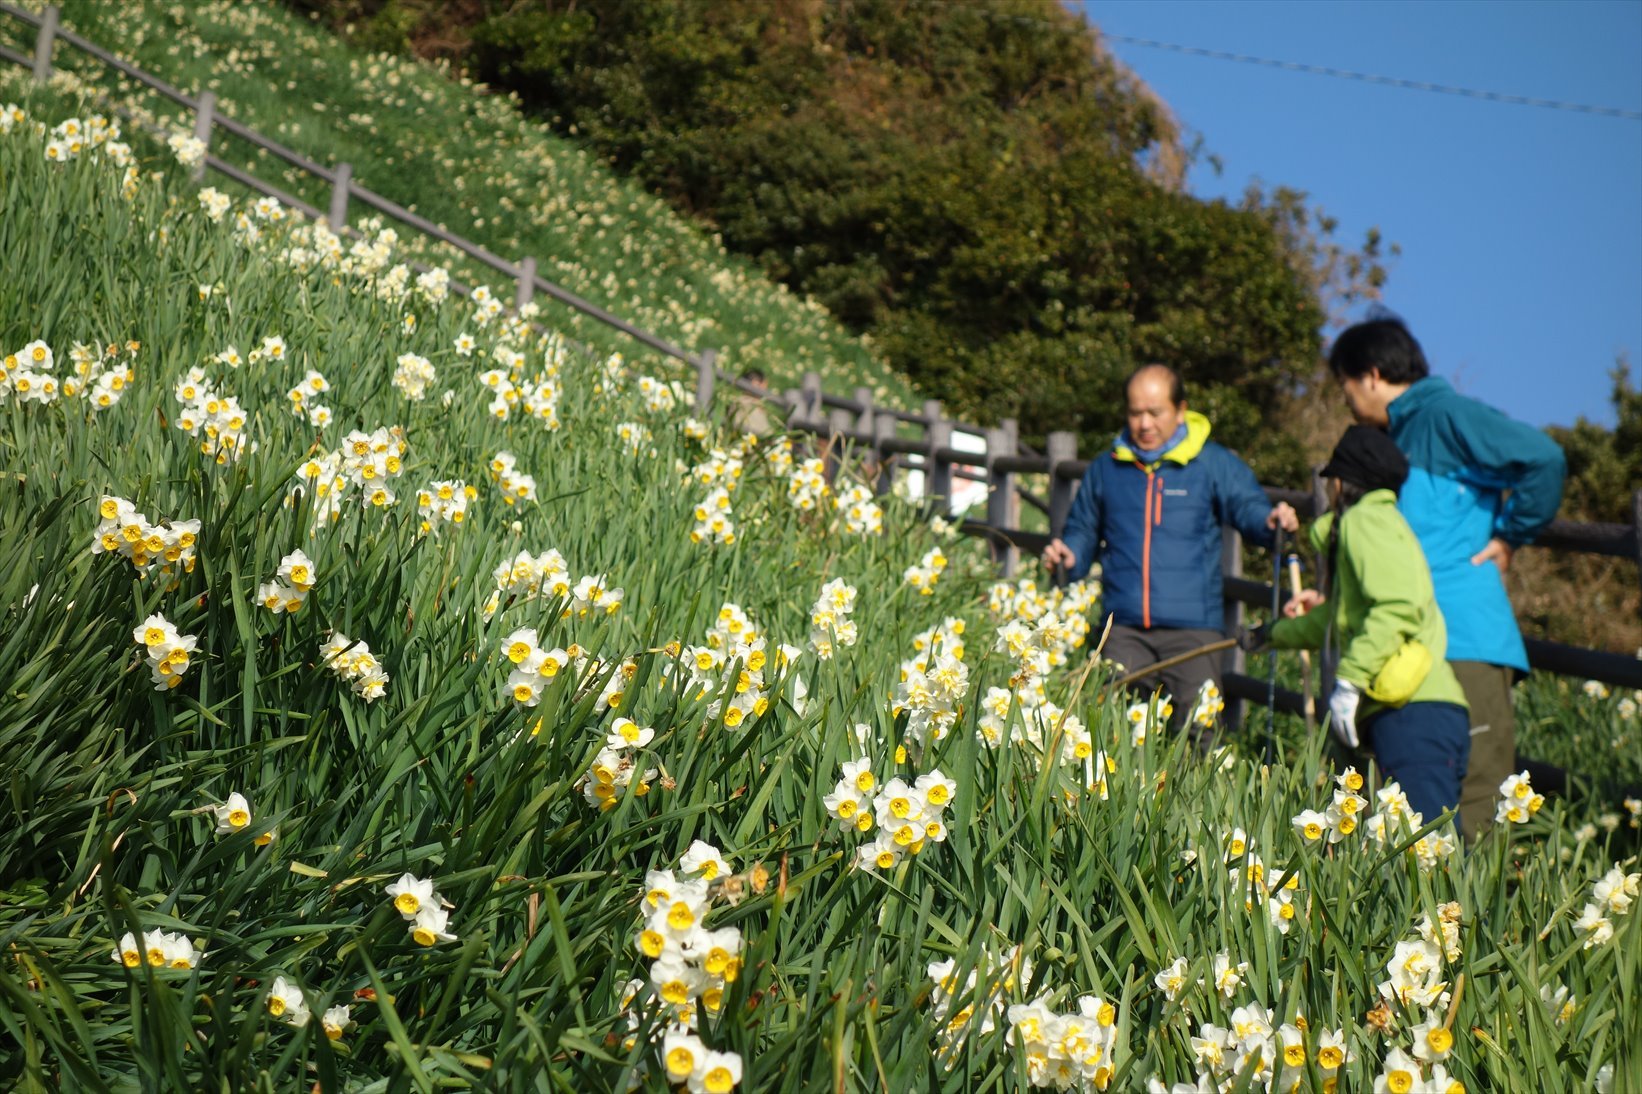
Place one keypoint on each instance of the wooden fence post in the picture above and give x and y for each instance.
(1636, 524)
(205, 116)
(43, 41)
(810, 388)
(342, 175)
(527, 282)
(1319, 495)
(1060, 448)
(706, 379)
(937, 469)
(1234, 659)
(838, 425)
(883, 428)
(863, 421)
(1000, 490)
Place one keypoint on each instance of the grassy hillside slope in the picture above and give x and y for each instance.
(469, 817)
(469, 161)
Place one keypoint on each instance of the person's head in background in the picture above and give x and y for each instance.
(1365, 460)
(755, 377)
(1375, 362)
(1156, 398)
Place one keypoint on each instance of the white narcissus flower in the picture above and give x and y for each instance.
(336, 1022)
(429, 926)
(233, 815)
(705, 859)
(411, 894)
(286, 1003)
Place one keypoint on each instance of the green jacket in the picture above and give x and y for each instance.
(1382, 598)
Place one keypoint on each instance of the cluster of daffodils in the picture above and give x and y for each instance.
(1023, 599)
(660, 396)
(1270, 890)
(1065, 1051)
(369, 462)
(356, 664)
(425, 912)
(1612, 896)
(533, 666)
(931, 687)
(1254, 1051)
(971, 1007)
(903, 817)
(691, 969)
(616, 765)
(862, 515)
(714, 518)
(831, 627)
(168, 652)
(121, 529)
(292, 582)
(516, 486)
(302, 398)
(720, 468)
(636, 438)
(214, 203)
(71, 138)
(101, 374)
(234, 815)
(189, 149)
(928, 570)
(273, 348)
(1517, 800)
(1343, 815)
(1396, 819)
(1043, 731)
(412, 376)
(156, 949)
(1417, 980)
(216, 418)
(526, 577)
(807, 485)
(734, 640)
(1147, 716)
(1037, 629)
(1205, 712)
(537, 397)
(443, 501)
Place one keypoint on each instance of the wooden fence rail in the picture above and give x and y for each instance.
(894, 440)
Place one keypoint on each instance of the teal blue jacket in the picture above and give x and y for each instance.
(1473, 474)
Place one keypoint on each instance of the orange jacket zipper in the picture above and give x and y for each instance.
(1146, 555)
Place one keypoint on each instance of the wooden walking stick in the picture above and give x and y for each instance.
(1305, 655)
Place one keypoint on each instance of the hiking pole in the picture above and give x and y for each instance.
(1271, 672)
(1310, 704)
(1170, 662)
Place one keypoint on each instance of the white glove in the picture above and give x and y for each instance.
(1342, 709)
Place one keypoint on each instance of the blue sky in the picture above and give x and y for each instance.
(1520, 227)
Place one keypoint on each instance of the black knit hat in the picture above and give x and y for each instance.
(1368, 458)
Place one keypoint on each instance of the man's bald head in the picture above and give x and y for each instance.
(1174, 387)
(1156, 399)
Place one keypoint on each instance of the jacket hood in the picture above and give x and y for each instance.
(1197, 435)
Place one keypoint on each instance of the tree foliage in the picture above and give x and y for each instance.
(980, 188)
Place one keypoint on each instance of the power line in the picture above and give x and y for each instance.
(1387, 81)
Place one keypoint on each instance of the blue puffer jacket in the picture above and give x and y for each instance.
(1156, 528)
(1463, 456)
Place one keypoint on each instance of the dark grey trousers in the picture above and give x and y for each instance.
(1134, 649)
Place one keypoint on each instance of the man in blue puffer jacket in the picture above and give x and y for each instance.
(1151, 510)
(1479, 486)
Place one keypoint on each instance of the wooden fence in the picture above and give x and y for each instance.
(895, 440)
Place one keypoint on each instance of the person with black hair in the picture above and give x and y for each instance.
(1480, 485)
(1394, 692)
(1151, 511)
